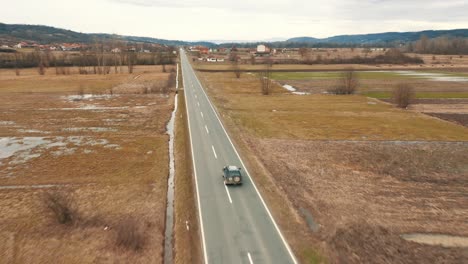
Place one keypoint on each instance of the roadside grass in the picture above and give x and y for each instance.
(313, 257)
(321, 117)
(187, 248)
(419, 95)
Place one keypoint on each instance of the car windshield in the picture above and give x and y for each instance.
(234, 173)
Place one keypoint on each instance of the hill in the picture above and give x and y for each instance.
(382, 38)
(10, 33)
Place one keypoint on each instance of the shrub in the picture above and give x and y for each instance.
(403, 95)
(348, 83)
(130, 236)
(62, 208)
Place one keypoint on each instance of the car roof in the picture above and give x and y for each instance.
(232, 168)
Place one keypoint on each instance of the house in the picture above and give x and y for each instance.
(115, 50)
(262, 50)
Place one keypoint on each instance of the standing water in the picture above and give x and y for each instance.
(168, 258)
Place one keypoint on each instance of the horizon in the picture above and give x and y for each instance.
(212, 20)
(221, 41)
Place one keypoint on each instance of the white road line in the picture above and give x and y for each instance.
(195, 96)
(198, 103)
(202, 114)
(207, 131)
(250, 258)
(291, 254)
(200, 215)
(214, 152)
(227, 191)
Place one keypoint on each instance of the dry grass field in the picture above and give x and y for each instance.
(348, 176)
(98, 162)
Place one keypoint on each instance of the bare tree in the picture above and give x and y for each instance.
(348, 83)
(17, 64)
(303, 52)
(403, 94)
(235, 68)
(265, 80)
(41, 65)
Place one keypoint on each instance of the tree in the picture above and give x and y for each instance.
(402, 95)
(235, 68)
(17, 63)
(303, 52)
(265, 79)
(348, 83)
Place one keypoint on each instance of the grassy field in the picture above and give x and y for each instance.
(365, 170)
(322, 117)
(104, 155)
(420, 95)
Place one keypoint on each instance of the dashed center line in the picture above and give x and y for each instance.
(202, 114)
(198, 103)
(214, 152)
(250, 258)
(207, 131)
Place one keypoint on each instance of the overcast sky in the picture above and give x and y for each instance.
(238, 19)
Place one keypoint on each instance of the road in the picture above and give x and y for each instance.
(236, 224)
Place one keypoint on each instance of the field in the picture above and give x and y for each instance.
(84, 165)
(437, 93)
(350, 176)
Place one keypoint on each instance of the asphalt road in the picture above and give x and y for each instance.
(236, 225)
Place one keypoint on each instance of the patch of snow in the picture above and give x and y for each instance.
(289, 88)
(293, 90)
(7, 123)
(92, 129)
(32, 131)
(72, 98)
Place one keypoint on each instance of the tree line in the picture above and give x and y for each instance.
(440, 45)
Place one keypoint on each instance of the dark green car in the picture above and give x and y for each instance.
(232, 175)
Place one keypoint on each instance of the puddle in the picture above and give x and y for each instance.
(437, 239)
(169, 228)
(22, 149)
(433, 76)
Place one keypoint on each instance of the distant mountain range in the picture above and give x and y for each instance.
(381, 38)
(10, 33)
(47, 35)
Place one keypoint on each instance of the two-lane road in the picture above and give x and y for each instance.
(236, 225)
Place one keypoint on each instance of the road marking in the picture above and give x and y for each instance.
(200, 215)
(202, 114)
(214, 152)
(207, 129)
(250, 258)
(227, 191)
(195, 96)
(253, 183)
(198, 103)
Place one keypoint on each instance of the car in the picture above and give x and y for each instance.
(232, 175)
